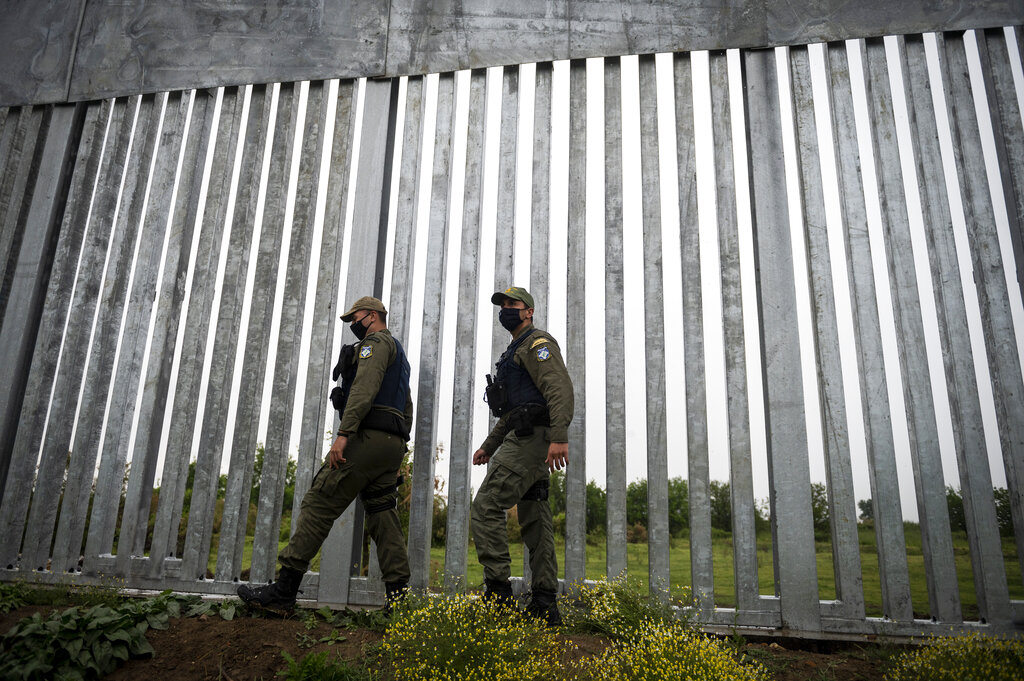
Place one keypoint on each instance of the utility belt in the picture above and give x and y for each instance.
(377, 419)
(525, 418)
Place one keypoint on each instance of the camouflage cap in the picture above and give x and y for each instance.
(365, 303)
(513, 293)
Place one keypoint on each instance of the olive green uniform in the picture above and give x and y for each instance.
(517, 464)
(370, 470)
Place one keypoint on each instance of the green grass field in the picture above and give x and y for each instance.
(722, 553)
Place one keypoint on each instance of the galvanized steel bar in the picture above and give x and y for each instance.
(788, 469)
(885, 498)
(1006, 121)
(108, 335)
(615, 345)
(954, 333)
(906, 304)
(189, 344)
(936, 538)
(654, 322)
(504, 241)
(135, 332)
(178, 210)
(264, 154)
(540, 216)
(39, 384)
(58, 444)
(54, 153)
(232, 265)
(836, 438)
(575, 344)
(299, 224)
(371, 194)
(421, 508)
(741, 484)
(698, 473)
(976, 479)
(400, 304)
(328, 277)
(464, 396)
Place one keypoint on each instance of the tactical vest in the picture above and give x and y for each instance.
(393, 392)
(520, 388)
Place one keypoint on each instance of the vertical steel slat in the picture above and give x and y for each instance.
(836, 444)
(294, 260)
(575, 355)
(222, 332)
(270, 153)
(421, 510)
(194, 264)
(741, 482)
(936, 538)
(193, 114)
(698, 472)
(788, 469)
(32, 424)
(505, 222)
(954, 333)
(318, 380)
(103, 520)
(657, 448)
(1006, 123)
(400, 304)
(905, 297)
(867, 326)
(464, 398)
(615, 348)
(16, 188)
(57, 444)
(976, 479)
(540, 220)
(371, 196)
(105, 393)
(31, 267)
(231, 338)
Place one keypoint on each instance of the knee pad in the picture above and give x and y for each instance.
(538, 491)
(380, 501)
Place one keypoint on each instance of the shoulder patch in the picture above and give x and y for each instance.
(543, 354)
(365, 352)
(539, 341)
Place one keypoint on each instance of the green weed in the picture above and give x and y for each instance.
(975, 657)
(316, 667)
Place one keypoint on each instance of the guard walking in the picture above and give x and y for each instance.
(532, 396)
(375, 406)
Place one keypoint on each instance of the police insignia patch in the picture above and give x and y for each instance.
(539, 341)
(543, 354)
(366, 351)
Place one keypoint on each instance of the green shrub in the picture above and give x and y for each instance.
(463, 637)
(12, 597)
(662, 651)
(961, 658)
(617, 608)
(316, 667)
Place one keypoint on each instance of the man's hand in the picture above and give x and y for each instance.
(480, 456)
(558, 456)
(337, 455)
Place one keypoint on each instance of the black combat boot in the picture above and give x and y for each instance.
(279, 595)
(543, 606)
(500, 591)
(394, 592)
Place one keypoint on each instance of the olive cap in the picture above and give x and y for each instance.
(365, 303)
(513, 293)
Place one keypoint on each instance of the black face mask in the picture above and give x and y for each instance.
(358, 330)
(509, 318)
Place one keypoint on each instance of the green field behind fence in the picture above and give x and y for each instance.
(724, 577)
